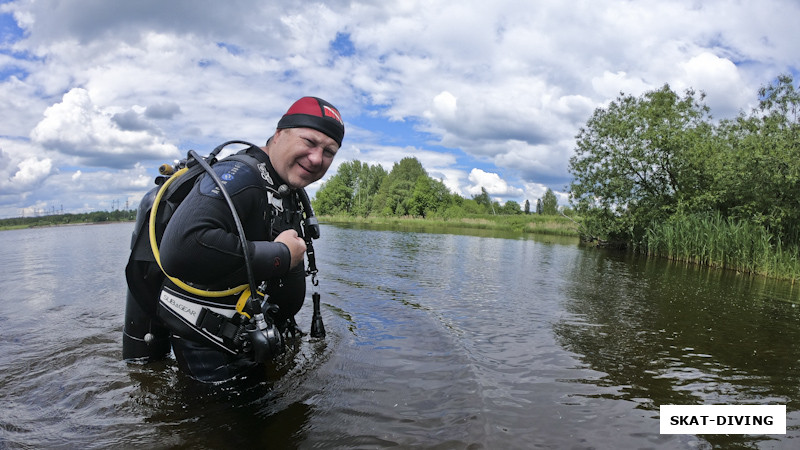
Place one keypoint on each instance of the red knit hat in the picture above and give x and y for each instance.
(316, 113)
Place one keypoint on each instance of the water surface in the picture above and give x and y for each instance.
(434, 340)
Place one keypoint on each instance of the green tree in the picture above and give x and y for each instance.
(367, 184)
(334, 197)
(395, 194)
(440, 196)
(423, 198)
(757, 166)
(549, 203)
(483, 201)
(511, 207)
(351, 190)
(527, 206)
(636, 161)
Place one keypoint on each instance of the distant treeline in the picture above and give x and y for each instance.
(655, 173)
(360, 190)
(66, 219)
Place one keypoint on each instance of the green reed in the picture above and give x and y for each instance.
(715, 241)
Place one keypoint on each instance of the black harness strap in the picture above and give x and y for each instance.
(216, 324)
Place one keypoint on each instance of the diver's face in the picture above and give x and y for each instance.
(301, 156)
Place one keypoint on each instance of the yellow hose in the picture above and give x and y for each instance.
(243, 302)
(154, 247)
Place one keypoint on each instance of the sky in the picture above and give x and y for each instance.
(96, 94)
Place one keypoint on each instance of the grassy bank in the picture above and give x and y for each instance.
(532, 223)
(716, 242)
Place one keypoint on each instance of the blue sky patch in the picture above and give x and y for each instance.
(12, 71)
(342, 46)
(400, 133)
(234, 50)
(9, 30)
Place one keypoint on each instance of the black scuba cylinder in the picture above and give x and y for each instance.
(143, 336)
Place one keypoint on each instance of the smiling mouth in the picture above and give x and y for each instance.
(305, 169)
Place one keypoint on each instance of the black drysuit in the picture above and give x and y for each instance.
(201, 246)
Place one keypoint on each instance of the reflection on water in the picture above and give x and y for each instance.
(478, 341)
(668, 333)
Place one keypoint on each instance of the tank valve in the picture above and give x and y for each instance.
(166, 169)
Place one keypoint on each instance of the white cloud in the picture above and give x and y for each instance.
(610, 85)
(105, 85)
(18, 177)
(31, 170)
(78, 127)
(493, 184)
(119, 188)
(445, 107)
(720, 80)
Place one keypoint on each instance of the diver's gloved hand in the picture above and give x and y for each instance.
(296, 245)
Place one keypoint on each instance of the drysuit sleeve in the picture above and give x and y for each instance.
(201, 243)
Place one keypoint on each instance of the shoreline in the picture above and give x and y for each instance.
(55, 225)
(525, 224)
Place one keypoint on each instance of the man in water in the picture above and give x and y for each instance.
(201, 246)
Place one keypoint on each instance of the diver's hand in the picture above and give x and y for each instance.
(297, 246)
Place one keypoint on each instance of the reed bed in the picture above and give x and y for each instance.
(714, 241)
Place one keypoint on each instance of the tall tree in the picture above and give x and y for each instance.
(351, 190)
(757, 165)
(335, 196)
(633, 161)
(483, 200)
(511, 207)
(367, 184)
(396, 190)
(549, 203)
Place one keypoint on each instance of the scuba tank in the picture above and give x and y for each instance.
(250, 330)
(143, 335)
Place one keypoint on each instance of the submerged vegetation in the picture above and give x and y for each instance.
(657, 175)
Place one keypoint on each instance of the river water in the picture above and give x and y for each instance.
(434, 341)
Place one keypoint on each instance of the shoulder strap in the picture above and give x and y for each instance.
(261, 167)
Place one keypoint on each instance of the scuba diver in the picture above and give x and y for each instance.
(216, 270)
